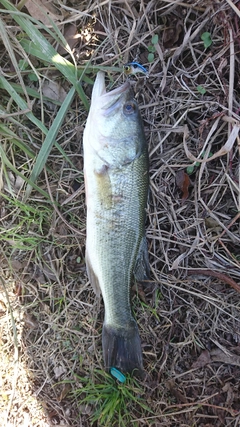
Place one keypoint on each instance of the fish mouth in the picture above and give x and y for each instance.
(108, 99)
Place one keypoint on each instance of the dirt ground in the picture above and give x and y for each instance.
(189, 313)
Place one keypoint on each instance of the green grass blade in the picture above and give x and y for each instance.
(10, 51)
(23, 106)
(49, 140)
(41, 43)
(31, 92)
(42, 49)
(11, 136)
(36, 50)
(37, 122)
(7, 163)
(39, 46)
(21, 103)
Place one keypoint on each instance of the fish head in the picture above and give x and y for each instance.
(114, 127)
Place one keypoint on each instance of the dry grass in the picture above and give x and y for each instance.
(188, 315)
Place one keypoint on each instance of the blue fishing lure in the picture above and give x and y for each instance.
(134, 68)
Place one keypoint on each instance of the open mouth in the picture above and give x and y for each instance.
(108, 98)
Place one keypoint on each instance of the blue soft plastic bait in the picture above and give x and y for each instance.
(118, 375)
(134, 68)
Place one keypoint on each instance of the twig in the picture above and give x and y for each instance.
(234, 7)
(230, 225)
(223, 277)
(231, 78)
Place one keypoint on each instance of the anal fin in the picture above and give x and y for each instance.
(142, 268)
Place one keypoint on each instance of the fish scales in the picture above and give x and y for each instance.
(119, 227)
(116, 180)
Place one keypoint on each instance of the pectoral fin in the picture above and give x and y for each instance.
(92, 276)
(142, 268)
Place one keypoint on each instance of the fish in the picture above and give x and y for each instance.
(116, 174)
(134, 68)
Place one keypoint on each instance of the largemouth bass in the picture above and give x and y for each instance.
(116, 182)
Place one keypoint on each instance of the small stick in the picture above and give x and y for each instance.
(223, 277)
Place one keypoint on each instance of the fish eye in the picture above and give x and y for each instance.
(129, 108)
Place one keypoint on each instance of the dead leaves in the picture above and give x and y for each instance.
(65, 391)
(183, 182)
(53, 91)
(216, 355)
(173, 33)
(3, 308)
(203, 360)
(71, 36)
(44, 11)
(173, 388)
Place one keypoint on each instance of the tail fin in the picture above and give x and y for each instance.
(122, 348)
